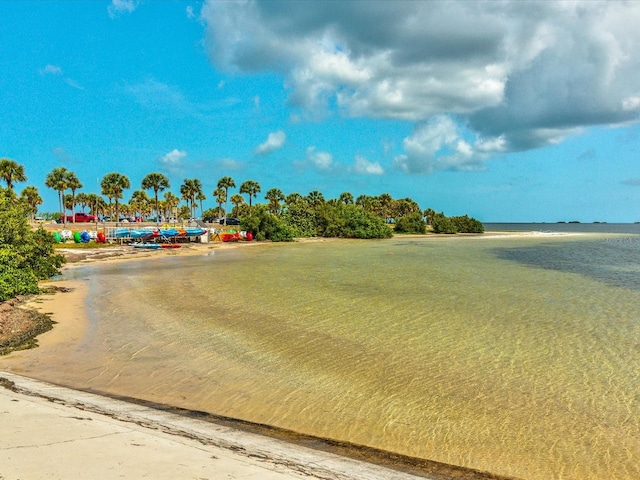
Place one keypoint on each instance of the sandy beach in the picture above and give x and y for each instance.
(54, 432)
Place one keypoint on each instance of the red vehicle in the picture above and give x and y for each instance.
(81, 217)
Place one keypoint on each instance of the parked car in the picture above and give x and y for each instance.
(211, 220)
(80, 217)
(229, 221)
(107, 218)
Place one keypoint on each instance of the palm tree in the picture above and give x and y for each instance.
(386, 204)
(57, 180)
(293, 198)
(113, 184)
(275, 196)
(81, 199)
(236, 200)
(315, 198)
(11, 171)
(139, 202)
(32, 198)
(158, 182)
(404, 207)
(251, 188)
(201, 197)
(94, 201)
(195, 186)
(346, 198)
(170, 202)
(429, 213)
(221, 197)
(74, 184)
(66, 201)
(226, 183)
(189, 191)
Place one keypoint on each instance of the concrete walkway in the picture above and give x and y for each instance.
(48, 431)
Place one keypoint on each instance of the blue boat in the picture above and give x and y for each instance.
(169, 232)
(195, 232)
(151, 246)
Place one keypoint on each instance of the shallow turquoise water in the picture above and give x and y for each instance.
(520, 356)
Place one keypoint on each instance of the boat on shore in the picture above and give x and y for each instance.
(151, 246)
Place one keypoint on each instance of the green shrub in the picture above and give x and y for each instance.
(442, 224)
(412, 223)
(26, 256)
(267, 226)
(466, 224)
(461, 224)
(351, 221)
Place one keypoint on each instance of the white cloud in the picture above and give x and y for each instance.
(519, 75)
(363, 166)
(322, 161)
(631, 103)
(74, 84)
(121, 6)
(190, 13)
(173, 159)
(51, 70)
(439, 145)
(275, 141)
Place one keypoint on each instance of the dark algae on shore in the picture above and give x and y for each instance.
(19, 326)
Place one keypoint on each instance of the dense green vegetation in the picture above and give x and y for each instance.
(412, 223)
(462, 224)
(281, 218)
(26, 255)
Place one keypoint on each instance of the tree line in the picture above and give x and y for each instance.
(281, 217)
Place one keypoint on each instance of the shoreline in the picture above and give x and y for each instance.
(46, 420)
(294, 454)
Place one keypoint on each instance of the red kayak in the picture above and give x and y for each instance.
(230, 237)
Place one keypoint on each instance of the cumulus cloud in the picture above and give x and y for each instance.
(173, 161)
(518, 75)
(118, 7)
(363, 166)
(322, 161)
(440, 144)
(275, 141)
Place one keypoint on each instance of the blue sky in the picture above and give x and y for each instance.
(506, 111)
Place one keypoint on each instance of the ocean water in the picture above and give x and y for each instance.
(514, 355)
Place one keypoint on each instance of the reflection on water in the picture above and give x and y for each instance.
(497, 354)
